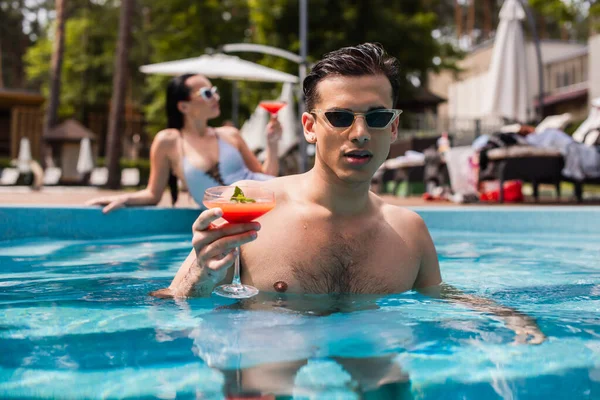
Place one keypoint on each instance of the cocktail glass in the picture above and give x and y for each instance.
(272, 106)
(239, 212)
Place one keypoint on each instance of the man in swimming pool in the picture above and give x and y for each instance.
(328, 233)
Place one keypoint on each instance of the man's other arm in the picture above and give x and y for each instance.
(429, 282)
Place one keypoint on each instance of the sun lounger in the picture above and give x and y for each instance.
(537, 165)
(130, 177)
(526, 163)
(52, 176)
(399, 169)
(99, 176)
(9, 176)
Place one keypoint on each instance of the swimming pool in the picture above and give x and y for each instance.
(76, 320)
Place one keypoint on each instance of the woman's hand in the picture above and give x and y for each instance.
(273, 130)
(111, 202)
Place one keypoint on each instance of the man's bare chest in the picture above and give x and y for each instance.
(369, 259)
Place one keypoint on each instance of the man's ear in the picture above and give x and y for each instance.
(308, 123)
(182, 106)
(395, 129)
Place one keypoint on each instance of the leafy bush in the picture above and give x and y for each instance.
(4, 162)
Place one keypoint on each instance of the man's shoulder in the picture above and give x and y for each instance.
(280, 185)
(402, 218)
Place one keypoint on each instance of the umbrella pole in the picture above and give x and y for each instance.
(235, 103)
(302, 75)
(538, 52)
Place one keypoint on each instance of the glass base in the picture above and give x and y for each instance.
(236, 291)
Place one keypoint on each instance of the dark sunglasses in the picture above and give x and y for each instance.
(208, 93)
(376, 119)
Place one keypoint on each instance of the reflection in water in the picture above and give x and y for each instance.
(324, 378)
(73, 324)
(307, 304)
(281, 346)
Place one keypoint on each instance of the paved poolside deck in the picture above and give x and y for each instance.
(77, 196)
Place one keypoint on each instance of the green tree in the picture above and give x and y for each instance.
(1, 74)
(56, 66)
(117, 104)
(16, 34)
(403, 27)
(90, 42)
(180, 29)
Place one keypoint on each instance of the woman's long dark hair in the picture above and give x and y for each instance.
(177, 91)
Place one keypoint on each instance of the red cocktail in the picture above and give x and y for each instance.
(237, 213)
(239, 205)
(272, 106)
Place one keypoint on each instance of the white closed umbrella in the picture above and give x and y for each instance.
(592, 122)
(85, 161)
(508, 96)
(24, 158)
(287, 118)
(253, 130)
(220, 66)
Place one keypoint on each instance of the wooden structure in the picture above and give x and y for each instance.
(21, 115)
(133, 124)
(64, 141)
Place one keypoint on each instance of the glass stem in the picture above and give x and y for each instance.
(236, 269)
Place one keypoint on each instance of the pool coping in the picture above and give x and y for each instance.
(495, 208)
(83, 222)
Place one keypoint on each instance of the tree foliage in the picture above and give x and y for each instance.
(403, 27)
(176, 29)
(180, 29)
(20, 26)
(90, 41)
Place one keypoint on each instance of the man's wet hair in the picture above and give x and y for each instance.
(361, 60)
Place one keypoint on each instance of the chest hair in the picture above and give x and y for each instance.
(341, 265)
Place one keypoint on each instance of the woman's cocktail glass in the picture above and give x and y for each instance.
(272, 106)
(255, 202)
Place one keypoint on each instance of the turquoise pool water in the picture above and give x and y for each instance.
(76, 320)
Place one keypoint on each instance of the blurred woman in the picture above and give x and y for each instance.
(197, 154)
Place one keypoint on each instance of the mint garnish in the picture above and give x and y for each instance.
(238, 197)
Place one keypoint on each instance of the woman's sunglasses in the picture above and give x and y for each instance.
(207, 93)
(376, 119)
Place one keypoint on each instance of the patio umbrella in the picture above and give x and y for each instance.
(592, 122)
(85, 161)
(508, 96)
(24, 158)
(253, 130)
(220, 66)
(288, 120)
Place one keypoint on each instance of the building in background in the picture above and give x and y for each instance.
(63, 144)
(570, 82)
(594, 67)
(21, 115)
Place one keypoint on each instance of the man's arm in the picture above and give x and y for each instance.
(524, 326)
(214, 253)
(429, 282)
(191, 280)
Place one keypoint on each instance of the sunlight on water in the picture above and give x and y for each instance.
(76, 321)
